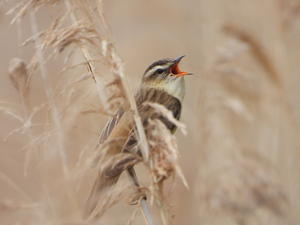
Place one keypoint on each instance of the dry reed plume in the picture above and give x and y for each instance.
(236, 162)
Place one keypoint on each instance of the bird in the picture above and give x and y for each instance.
(162, 83)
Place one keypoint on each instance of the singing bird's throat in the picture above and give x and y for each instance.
(174, 87)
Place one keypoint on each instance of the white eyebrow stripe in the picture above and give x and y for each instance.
(156, 68)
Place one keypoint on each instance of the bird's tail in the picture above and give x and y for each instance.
(108, 176)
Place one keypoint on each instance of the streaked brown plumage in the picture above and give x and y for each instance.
(162, 83)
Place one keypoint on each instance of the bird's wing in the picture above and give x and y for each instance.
(110, 125)
(120, 126)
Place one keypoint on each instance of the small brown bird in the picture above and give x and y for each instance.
(162, 83)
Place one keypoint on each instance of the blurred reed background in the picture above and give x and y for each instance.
(240, 154)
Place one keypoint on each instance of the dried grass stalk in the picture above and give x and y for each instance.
(55, 115)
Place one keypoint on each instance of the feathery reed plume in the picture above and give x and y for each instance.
(257, 50)
(88, 33)
(24, 6)
(240, 157)
(238, 181)
(91, 17)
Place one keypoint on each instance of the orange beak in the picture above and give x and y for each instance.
(174, 69)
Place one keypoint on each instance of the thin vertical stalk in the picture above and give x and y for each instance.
(49, 93)
(99, 85)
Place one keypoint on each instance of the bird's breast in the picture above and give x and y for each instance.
(154, 95)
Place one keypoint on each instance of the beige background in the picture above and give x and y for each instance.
(241, 110)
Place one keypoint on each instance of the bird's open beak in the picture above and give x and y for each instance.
(175, 68)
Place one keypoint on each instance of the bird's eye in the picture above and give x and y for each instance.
(159, 71)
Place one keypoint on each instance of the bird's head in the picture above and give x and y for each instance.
(165, 74)
(164, 70)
